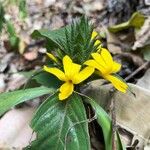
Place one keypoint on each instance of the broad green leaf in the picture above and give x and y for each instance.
(105, 122)
(42, 78)
(136, 21)
(54, 119)
(73, 40)
(10, 99)
(51, 36)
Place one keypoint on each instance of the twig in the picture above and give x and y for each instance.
(146, 64)
(114, 127)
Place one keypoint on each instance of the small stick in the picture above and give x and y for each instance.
(113, 112)
(146, 64)
(113, 124)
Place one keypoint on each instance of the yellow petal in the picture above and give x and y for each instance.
(97, 57)
(98, 42)
(82, 75)
(116, 67)
(94, 34)
(55, 71)
(67, 63)
(106, 56)
(117, 83)
(94, 64)
(66, 90)
(52, 57)
(70, 68)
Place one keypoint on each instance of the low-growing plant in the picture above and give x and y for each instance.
(76, 57)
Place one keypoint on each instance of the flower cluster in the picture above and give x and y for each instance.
(101, 63)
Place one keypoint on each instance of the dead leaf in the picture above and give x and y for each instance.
(143, 35)
(15, 82)
(2, 83)
(22, 46)
(145, 80)
(14, 128)
(132, 113)
(32, 55)
(136, 21)
(113, 43)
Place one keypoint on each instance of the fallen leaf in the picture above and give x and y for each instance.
(22, 46)
(32, 55)
(132, 113)
(136, 21)
(14, 128)
(2, 83)
(113, 43)
(143, 35)
(145, 80)
(15, 82)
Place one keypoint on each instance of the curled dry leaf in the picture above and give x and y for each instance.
(143, 35)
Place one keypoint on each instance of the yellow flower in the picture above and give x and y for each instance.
(97, 42)
(52, 57)
(105, 65)
(71, 75)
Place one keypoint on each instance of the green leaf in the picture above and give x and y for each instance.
(73, 40)
(47, 79)
(51, 36)
(136, 21)
(42, 78)
(13, 38)
(105, 122)
(2, 13)
(22, 9)
(54, 119)
(10, 99)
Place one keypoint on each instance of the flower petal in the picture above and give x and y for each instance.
(52, 57)
(82, 75)
(97, 42)
(67, 62)
(70, 68)
(106, 56)
(55, 71)
(66, 90)
(116, 67)
(117, 83)
(94, 64)
(97, 57)
(94, 34)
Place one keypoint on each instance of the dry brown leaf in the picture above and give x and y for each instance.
(142, 36)
(32, 55)
(132, 112)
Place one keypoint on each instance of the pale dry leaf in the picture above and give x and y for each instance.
(15, 82)
(14, 128)
(145, 80)
(143, 35)
(132, 112)
(32, 55)
(113, 43)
